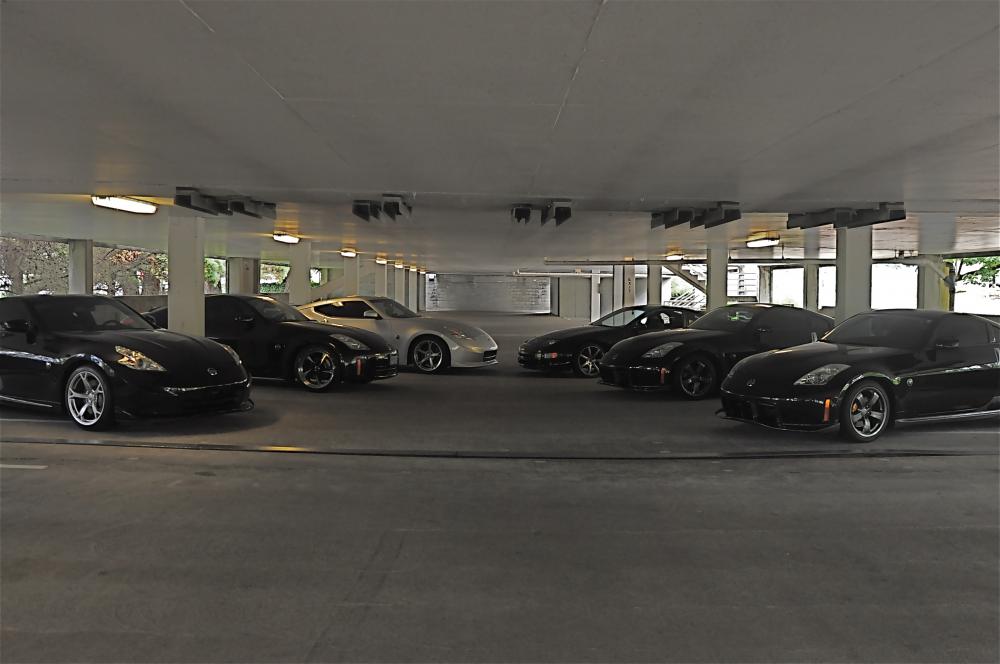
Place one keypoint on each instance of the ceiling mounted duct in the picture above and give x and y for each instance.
(366, 210)
(188, 197)
(394, 206)
(671, 217)
(884, 213)
(521, 213)
(561, 211)
(252, 208)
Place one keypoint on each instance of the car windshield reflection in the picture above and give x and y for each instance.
(620, 318)
(725, 319)
(87, 314)
(882, 329)
(275, 311)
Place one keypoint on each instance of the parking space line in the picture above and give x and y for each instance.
(22, 466)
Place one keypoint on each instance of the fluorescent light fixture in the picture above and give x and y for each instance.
(124, 203)
(763, 239)
(675, 257)
(285, 238)
(399, 266)
(380, 260)
(422, 271)
(413, 268)
(348, 253)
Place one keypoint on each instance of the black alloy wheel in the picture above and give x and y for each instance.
(317, 368)
(696, 376)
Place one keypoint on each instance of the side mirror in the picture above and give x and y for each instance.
(946, 343)
(149, 318)
(371, 313)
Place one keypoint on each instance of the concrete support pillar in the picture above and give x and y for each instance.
(411, 289)
(300, 262)
(352, 276)
(81, 267)
(717, 269)
(623, 286)
(243, 276)
(810, 271)
(654, 283)
(765, 281)
(400, 285)
(595, 296)
(854, 271)
(421, 292)
(186, 274)
(381, 288)
(932, 289)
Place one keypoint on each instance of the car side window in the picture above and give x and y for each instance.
(13, 309)
(964, 330)
(672, 319)
(344, 309)
(220, 316)
(783, 328)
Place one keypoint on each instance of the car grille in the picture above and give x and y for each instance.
(489, 356)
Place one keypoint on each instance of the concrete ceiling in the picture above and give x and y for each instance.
(468, 107)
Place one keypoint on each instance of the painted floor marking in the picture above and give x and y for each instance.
(22, 466)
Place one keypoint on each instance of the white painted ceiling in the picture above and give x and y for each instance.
(467, 107)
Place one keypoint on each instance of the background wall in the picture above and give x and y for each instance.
(449, 292)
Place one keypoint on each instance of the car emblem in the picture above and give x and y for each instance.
(751, 382)
(213, 371)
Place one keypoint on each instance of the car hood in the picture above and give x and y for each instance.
(186, 358)
(567, 334)
(370, 339)
(630, 349)
(779, 369)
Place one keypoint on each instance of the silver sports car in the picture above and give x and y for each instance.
(429, 344)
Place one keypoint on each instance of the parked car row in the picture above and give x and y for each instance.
(777, 366)
(788, 368)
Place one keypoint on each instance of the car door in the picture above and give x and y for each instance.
(230, 322)
(782, 327)
(959, 371)
(23, 362)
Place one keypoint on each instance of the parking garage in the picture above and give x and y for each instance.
(520, 169)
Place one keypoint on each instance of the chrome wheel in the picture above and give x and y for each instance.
(86, 398)
(587, 359)
(697, 377)
(869, 412)
(428, 355)
(316, 368)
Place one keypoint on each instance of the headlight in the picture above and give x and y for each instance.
(456, 333)
(350, 342)
(133, 359)
(822, 375)
(661, 350)
(233, 354)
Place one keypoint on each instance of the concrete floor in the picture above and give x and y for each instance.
(682, 550)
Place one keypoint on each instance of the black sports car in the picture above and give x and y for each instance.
(581, 347)
(694, 360)
(275, 340)
(95, 357)
(872, 370)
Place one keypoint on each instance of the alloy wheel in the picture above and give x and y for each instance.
(428, 355)
(868, 412)
(697, 377)
(587, 360)
(86, 398)
(316, 369)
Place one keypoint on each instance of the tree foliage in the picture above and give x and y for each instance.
(983, 270)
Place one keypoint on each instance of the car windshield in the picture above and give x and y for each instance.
(392, 309)
(621, 317)
(882, 329)
(274, 311)
(86, 314)
(725, 318)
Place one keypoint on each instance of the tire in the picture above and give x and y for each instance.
(695, 377)
(865, 411)
(430, 355)
(585, 360)
(88, 399)
(317, 368)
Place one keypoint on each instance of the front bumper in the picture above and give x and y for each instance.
(468, 357)
(799, 413)
(643, 378)
(147, 399)
(366, 367)
(537, 358)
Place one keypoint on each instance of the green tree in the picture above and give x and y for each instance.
(981, 270)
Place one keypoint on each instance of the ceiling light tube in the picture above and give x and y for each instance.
(399, 266)
(674, 257)
(285, 238)
(380, 260)
(124, 204)
(348, 253)
(764, 239)
(413, 268)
